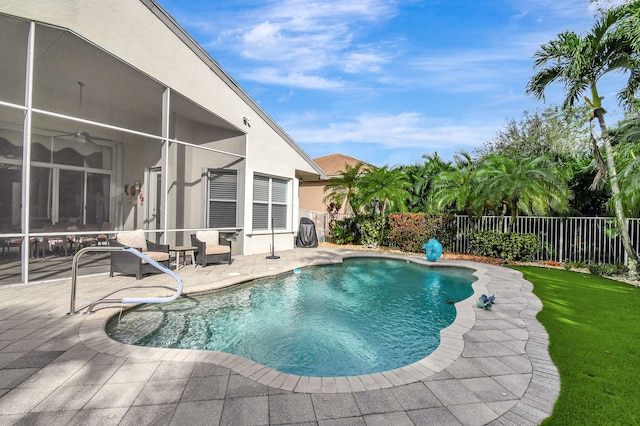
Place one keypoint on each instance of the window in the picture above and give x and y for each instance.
(68, 197)
(70, 182)
(279, 203)
(223, 194)
(269, 203)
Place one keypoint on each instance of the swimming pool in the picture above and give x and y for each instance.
(363, 316)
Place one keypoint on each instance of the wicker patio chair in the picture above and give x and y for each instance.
(211, 247)
(128, 263)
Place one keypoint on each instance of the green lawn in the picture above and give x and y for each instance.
(594, 329)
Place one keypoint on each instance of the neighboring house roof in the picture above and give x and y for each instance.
(334, 164)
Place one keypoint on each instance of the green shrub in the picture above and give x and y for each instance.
(507, 246)
(410, 231)
(372, 229)
(579, 264)
(608, 269)
(345, 231)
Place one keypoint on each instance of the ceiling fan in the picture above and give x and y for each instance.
(82, 137)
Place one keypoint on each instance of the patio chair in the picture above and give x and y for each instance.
(129, 263)
(56, 244)
(102, 238)
(211, 247)
(35, 245)
(81, 241)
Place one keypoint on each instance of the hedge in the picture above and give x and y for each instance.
(410, 231)
(507, 246)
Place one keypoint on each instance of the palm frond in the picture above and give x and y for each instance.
(627, 95)
(574, 92)
(542, 79)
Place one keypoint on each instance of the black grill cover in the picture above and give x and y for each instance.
(307, 234)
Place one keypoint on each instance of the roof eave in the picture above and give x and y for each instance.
(190, 42)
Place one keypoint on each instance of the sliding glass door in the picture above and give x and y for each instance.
(71, 198)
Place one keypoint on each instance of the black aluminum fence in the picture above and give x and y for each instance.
(563, 239)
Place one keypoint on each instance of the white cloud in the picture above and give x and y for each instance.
(312, 41)
(263, 34)
(404, 130)
(271, 43)
(473, 71)
(303, 37)
(276, 76)
(548, 9)
(357, 62)
(313, 14)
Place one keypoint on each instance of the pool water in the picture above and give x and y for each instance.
(363, 316)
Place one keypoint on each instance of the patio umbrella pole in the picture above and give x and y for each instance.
(273, 244)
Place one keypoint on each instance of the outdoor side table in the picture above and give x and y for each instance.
(184, 250)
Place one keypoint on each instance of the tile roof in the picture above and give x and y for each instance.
(333, 165)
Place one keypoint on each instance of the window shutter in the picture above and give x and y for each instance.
(222, 214)
(223, 192)
(279, 191)
(223, 185)
(260, 216)
(279, 213)
(261, 188)
(270, 201)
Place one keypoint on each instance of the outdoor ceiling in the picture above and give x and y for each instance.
(14, 35)
(75, 78)
(183, 107)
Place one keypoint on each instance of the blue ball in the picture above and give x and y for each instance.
(433, 250)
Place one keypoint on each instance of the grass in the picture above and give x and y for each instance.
(594, 329)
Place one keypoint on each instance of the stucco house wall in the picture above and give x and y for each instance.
(144, 36)
(312, 196)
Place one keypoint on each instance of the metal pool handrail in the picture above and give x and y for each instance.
(162, 268)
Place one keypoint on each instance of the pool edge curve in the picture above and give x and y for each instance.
(92, 333)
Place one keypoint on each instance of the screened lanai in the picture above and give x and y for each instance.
(90, 146)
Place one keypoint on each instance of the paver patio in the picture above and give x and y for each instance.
(492, 367)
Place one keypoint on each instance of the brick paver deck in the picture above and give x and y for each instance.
(492, 367)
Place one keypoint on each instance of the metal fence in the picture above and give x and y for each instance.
(563, 239)
(322, 221)
(574, 239)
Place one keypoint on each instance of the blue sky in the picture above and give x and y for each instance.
(385, 81)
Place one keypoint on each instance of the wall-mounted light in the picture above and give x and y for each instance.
(132, 190)
(246, 121)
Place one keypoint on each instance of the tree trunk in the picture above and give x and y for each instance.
(473, 220)
(514, 217)
(621, 220)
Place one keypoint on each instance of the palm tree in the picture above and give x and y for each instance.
(384, 189)
(458, 188)
(344, 189)
(628, 158)
(586, 201)
(579, 63)
(630, 178)
(520, 184)
(417, 198)
(422, 177)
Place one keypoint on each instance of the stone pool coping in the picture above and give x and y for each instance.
(93, 335)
